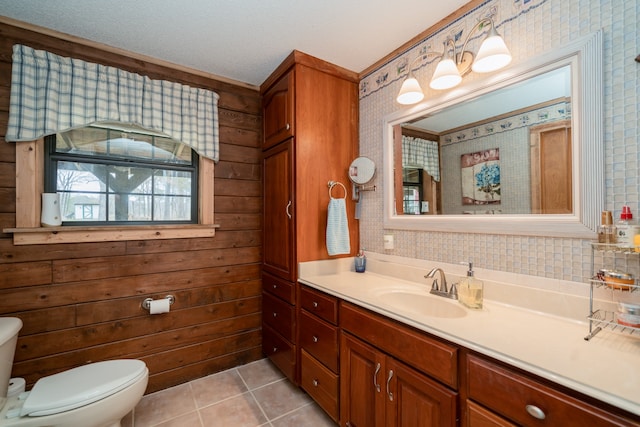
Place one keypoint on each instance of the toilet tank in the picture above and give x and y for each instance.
(9, 328)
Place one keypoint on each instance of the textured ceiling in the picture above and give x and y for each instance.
(242, 40)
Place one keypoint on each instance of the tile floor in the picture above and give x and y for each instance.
(252, 395)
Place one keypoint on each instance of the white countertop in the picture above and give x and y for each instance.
(553, 347)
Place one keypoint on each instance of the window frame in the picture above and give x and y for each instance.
(30, 186)
(52, 157)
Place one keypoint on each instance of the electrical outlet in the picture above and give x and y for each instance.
(388, 241)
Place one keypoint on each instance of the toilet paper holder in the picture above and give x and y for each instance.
(146, 303)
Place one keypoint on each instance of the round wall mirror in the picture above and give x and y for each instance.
(361, 170)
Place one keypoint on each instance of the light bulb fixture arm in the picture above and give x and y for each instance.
(420, 57)
(473, 30)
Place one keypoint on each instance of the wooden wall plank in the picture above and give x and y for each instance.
(80, 303)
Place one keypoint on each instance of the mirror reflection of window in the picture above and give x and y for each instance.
(412, 191)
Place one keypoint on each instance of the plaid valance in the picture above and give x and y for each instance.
(423, 154)
(51, 94)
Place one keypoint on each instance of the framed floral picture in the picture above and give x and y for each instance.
(480, 176)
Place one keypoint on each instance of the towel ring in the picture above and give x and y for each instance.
(332, 184)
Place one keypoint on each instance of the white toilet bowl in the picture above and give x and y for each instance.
(94, 395)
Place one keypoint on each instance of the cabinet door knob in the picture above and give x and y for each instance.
(275, 314)
(315, 338)
(389, 393)
(535, 412)
(275, 286)
(375, 378)
(315, 304)
(287, 126)
(275, 349)
(315, 383)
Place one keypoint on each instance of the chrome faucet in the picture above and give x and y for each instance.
(441, 290)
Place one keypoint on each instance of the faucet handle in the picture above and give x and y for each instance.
(453, 292)
(434, 285)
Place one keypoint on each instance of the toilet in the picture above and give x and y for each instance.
(98, 394)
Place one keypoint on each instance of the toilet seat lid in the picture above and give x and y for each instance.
(81, 386)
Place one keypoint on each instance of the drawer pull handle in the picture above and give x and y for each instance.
(275, 314)
(389, 393)
(315, 383)
(288, 126)
(315, 338)
(275, 349)
(315, 304)
(275, 286)
(535, 412)
(375, 377)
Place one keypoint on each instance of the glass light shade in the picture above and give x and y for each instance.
(446, 75)
(493, 54)
(410, 92)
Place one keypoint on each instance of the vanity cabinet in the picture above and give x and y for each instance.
(310, 137)
(318, 338)
(390, 374)
(511, 396)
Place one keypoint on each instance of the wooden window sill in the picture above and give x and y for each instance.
(80, 234)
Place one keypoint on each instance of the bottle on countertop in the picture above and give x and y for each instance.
(607, 230)
(626, 229)
(360, 262)
(470, 290)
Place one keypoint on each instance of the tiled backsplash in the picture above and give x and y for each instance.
(530, 28)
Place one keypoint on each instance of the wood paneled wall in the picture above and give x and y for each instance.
(80, 303)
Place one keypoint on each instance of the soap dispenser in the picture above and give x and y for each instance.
(470, 290)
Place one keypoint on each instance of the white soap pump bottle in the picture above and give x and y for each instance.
(470, 289)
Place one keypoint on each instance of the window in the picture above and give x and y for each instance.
(412, 190)
(120, 175)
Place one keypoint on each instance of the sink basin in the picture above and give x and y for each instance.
(423, 304)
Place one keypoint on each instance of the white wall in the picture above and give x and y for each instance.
(530, 28)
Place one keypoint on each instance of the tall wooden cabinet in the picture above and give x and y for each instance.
(310, 115)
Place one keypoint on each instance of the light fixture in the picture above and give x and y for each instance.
(492, 55)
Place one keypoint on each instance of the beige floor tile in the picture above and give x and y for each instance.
(259, 373)
(279, 398)
(307, 416)
(192, 419)
(217, 387)
(239, 411)
(164, 405)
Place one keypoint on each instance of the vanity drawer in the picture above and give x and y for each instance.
(322, 305)
(280, 351)
(320, 383)
(320, 339)
(279, 315)
(525, 401)
(477, 416)
(280, 288)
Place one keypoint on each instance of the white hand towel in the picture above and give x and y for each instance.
(337, 228)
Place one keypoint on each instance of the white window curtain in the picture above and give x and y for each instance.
(51, 94)
(421, 153)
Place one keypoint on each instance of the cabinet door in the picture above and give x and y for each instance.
(361, 384)
(279, 213)
(414, 400)
(278, 115)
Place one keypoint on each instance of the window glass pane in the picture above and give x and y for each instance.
(169, 182)
(88, 191)
(172, 208)
(121, 144)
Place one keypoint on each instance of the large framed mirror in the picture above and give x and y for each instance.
(518, 152)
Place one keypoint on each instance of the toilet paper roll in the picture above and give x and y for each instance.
(16, 386)
(159, 306)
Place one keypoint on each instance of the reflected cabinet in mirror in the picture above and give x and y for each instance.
(517, 153)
